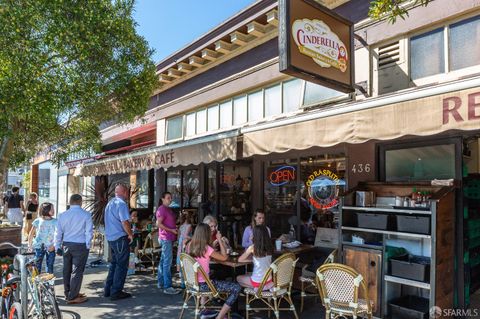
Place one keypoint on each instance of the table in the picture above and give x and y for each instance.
(300, 249)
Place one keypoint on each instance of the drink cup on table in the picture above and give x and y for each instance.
(278, 244)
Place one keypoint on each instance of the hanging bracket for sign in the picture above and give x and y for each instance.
(316, 44)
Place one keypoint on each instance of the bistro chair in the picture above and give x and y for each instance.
(281, 272)
(191, 269)
(307, 279)
(150, 251)
(339, 287)
(97, 241)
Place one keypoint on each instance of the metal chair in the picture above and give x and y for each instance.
(97, 241)
(149, 251)
(281, 272)
(307, 279)
(339, 287)
(191, 269)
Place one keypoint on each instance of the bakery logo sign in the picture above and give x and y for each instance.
(322, 188)
(315, 39)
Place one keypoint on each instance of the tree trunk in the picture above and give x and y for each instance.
(6, 148)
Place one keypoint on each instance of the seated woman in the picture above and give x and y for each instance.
(200, 249)
(262, 250)
(213, 224)
(258, 218)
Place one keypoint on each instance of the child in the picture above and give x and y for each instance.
(261, 250)
(31, 214)
(184, 235)
(200, 249)
(43, 230)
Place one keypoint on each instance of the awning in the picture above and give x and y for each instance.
(203, 150)
(459, 110)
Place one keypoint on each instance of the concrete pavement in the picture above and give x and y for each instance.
(147, 301)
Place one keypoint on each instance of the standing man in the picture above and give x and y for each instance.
(74, 234)
(14, 207)
(119, 235)
(167, 234)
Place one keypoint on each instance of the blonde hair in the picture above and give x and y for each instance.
(200, 240)
(209, 219)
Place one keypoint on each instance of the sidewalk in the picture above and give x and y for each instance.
(147, 301)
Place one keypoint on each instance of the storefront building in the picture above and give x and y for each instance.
(232, 134)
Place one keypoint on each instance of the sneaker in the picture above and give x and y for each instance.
(205, 314)
(120, 295)
(171, 291)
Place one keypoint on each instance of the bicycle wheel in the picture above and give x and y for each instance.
(15, 311)
(50, 309)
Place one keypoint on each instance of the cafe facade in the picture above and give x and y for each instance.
(233, 134)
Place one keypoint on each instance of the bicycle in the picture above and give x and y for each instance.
(42, 302)
(10, 308)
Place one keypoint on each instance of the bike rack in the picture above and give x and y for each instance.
(19, 264)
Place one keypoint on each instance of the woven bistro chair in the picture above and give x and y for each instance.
(339, 287)
(281, 271)
(307, 279)
(149, 251)
(191, 269)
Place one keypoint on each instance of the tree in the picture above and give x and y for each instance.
(66, 67)
(392, 9)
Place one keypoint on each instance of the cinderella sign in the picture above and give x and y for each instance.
(315, 44)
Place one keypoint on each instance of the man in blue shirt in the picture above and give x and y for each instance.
(119, 235)
(74, 234)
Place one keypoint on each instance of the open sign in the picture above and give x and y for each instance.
(282, 175)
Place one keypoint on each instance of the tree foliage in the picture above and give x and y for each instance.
(392, 9)
(66, 66)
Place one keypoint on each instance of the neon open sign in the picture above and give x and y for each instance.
(282, 175)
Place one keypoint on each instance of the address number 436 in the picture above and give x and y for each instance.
(360, 168)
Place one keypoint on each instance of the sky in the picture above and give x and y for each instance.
(169, 25)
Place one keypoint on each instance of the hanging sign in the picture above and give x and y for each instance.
(315, 44)
(323, 188)
(282, 175)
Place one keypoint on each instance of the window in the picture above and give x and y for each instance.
(190, 188)
(212, 118)
(175, 128)
(315, 93)
(273, 100)
(292, 90)
(191, 124)
(464, 46)
(255, 106)
(201, 121)
(240, 110)
(226, 114)
(174, 185)
(427, 54)
(142, 189)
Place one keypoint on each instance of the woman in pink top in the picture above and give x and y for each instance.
(200, 249)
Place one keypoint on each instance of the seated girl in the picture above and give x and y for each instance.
(199, 248)
(258, 218)
(261, 250)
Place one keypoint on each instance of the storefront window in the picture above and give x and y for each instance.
(210, 206)
(321, 181)
(213, 118)
(240, 110)
(273, 100)
(226, 114)
(191, 183)
(174, 179)
(280, 187)
(292, 91)
(467, 31)
(47, 182)
(427, 54)
(142, 189)
(175, 128)
(255, 106)
(315, 93)
(201, 121)
(420, 163)
(62, 194)
(191, 125)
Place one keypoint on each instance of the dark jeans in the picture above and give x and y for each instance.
(40, 254)
(75, 257)
(117, 273)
